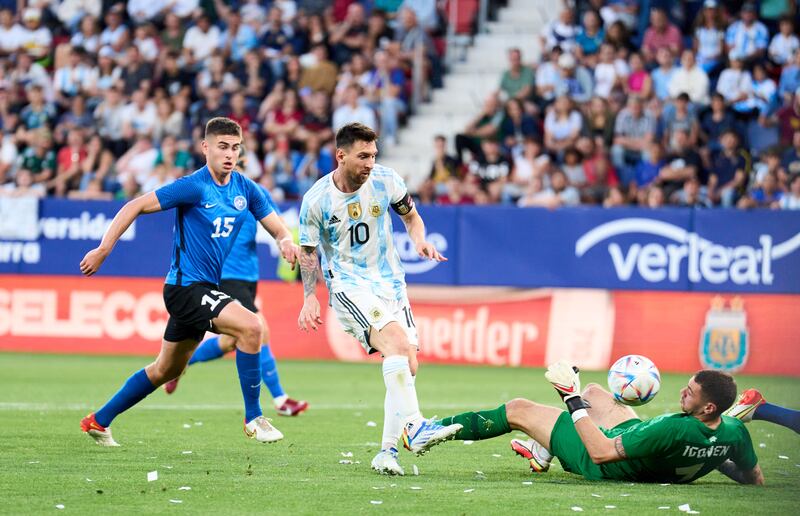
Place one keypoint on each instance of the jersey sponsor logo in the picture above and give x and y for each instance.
(354, 210)
(333, 220)
(239, 202)
(209, 205)
(412, 263)
(375, 209)
(709, 451)
(704, 260)
(724, 340)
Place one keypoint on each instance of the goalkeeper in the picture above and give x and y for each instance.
(601, 439)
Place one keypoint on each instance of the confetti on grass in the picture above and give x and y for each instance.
(467, 443)
(684, 508)
(611, 506)
(784, 457)
(152, 476)
(416, 488)
(376, 502)
(576, 509)
(187, 425)
(415, 469)
(175, 501)
(663, 507)
(184, 488)
(60, 506)
(187, 452)
(372, 423)
(595, 495)
(468, 490)
(347, 454)
(762, 445)
(527, 483)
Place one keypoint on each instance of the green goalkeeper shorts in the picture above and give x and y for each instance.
(566, 444)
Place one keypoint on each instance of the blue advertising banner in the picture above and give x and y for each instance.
(586, 247)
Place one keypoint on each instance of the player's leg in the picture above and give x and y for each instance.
(170, 363)
(604, 410)
(210, 349)
(752, 405)
(245, 327)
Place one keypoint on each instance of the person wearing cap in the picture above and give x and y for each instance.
(748, 37)
(709, 38)
(36, 39)
(116, 34)
(574, 80)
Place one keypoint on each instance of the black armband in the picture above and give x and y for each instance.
(404, 205)
(575, 403)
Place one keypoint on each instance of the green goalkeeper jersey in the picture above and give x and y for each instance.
(679, 448)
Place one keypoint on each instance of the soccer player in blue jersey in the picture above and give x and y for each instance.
(346, 214)
(210, 207)
(240, 280)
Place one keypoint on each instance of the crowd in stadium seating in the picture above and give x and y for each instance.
(104, 100)
(651, 103)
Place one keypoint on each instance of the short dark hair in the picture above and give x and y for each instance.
(223, 126)
(354, 132)
(718, 388)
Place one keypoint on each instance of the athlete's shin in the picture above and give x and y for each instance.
(480, 425)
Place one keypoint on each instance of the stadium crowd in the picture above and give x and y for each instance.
(653, 103)
(105, 100)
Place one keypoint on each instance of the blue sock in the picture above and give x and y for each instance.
(249, 368)
(774, 414)
(207, 350)
(269, 372)
(135, 389)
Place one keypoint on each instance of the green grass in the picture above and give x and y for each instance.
(45, 460)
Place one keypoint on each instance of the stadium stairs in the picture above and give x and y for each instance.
(467, 84)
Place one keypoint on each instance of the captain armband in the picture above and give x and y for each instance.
(404, 205)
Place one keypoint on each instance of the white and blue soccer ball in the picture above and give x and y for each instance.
(634, 380)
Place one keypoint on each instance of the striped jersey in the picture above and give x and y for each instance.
(354, 231)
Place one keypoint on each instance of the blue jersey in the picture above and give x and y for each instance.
(207, 221)
(242, 262)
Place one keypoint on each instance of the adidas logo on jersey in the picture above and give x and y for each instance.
(334, 220)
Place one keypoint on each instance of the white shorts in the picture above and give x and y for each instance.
(359, 310)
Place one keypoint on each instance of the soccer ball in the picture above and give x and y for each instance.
(634, 380)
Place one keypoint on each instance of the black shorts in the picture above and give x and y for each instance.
(191, 309)
(242, 291)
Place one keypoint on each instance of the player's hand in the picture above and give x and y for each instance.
(427, 250)
(92, 261)
(309, 314)
(290, 251)
(564, 378)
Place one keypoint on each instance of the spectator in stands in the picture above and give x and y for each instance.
(599, 122)
(319, 73)
(38, 157)
(767, 194)
(136, 164)
(747, 37)
(560, 31)
(23, 186)
(136, 73)
(517, 81)
(485, 125)
(76, 117)
(215, 73)
(96, 166)
(175, 160)
(200, 41)
(311, 165)
(614, 198)
(116, 34)
(589, 38)
(638, 82)
(491, 172)
(316, 120)
(689, 79)
(352, 110)
(531, 162)
(714, 123)
(791, 156)
(143, 11)
(682, 162)
(573, 167)
(736, 85)
(680, 118)
(278, 164)
(662, 75)
(765, 93)
(791, 201)
(784, 44)
(8, 156)
(709, 38)
(385, 85)
(74, 78)
(36, 40)
(692, 195)
(790, 79)
(634, 130)
(106, 74)
(597, 170)
(209, 106)
(648, 169)
(139, 116)
(654, 197)
(173, 33)
(379, 33)
(350, 36)
(619, 36)
(410, 36)
(444, 167)
(517, 125)
(547, 77)
(238, 38)
(37, 114)
(728, 175)
(573, 80)
(622, 13)
(11, 33)
(558, 194)
(562, 126)
(285, 119)
(661, 34)
(610, 72)
(69, 162)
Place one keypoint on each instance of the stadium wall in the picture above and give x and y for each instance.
(686, 287)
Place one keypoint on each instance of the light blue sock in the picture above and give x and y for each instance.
(248, 366)
(269, 372)
(207, 350)
(134, 390)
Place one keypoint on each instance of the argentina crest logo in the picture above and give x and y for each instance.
(724, 340)
(239, 202)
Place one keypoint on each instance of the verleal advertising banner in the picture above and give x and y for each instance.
(679, 331)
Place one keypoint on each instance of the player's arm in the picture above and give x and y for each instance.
(275, 227)
(310, 313)
(567, 383)
(743, 476)
(416, 228)
(147, 203)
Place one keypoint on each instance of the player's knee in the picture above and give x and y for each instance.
(160, 372)
(251, 332)
(593, 389)
(517, 409)
(227, 343)
(413, 365)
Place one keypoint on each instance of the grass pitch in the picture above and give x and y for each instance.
(194, 440)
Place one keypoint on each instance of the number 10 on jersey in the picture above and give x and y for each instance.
(359, 234)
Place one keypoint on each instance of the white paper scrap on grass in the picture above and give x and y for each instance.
(663, 507)
(527, 483)
(184, 488)
(416, 488)
(152, 476)
(595, 495)
(175, 501)
(469, 490)
(376, 502)
(415, 469)
(187, 425)
(762, 445)
(60, 506)
(467, 442)
(347, 454)
(611, 506)
(684, 508)
(372, 423)
(186, 452)
(784, 457)
(576, 509)
(496, 455)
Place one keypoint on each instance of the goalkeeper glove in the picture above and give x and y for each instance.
(567, 384)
